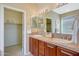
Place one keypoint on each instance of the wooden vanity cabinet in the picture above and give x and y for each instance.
(30, 44)
(66, 52)
(41, 48)
(50, 50)
(46, 49)
(33, 46)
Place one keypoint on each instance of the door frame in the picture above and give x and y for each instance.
(23, 26)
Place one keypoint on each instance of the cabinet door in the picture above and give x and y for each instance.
(30, 44)
(50, 50)
(33, 46)
(65, 52)
(36, 47)
(41, 48)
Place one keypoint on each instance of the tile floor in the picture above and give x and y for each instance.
(15, 50)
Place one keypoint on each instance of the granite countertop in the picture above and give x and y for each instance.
(58, 42)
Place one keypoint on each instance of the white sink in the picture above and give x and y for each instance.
(62, 41)
(38, 35)
(65, 41)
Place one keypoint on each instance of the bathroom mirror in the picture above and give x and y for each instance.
(67, 15)
(34, 22)
(38, 25)
(67, 21)
(60, 22)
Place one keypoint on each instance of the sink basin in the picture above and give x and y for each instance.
(62, 41)
(65, 41)
(38, 35)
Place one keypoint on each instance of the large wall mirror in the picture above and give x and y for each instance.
(67, 16)
(68, 21)
(56, 23)
(64, 23)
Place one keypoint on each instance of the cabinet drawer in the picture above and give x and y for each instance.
(33, 46)
(66, 52)
(50, 50)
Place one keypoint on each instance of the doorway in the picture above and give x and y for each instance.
(12, 32)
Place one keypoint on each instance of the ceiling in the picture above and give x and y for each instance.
(34, 8)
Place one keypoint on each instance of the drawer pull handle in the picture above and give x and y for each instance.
(66, 53)
(50, 46)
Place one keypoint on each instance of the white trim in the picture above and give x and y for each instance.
(13, 8)
(24, 33)
(23, 27)
(2, 30)
(28, 54)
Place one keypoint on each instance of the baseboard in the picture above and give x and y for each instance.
(28, 54)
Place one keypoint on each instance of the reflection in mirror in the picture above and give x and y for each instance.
(34, 25)
(38, 26)
(55, 21)
(34, 22)
(48, 25)
(67, 24)
(68, 21)
(56, 25)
